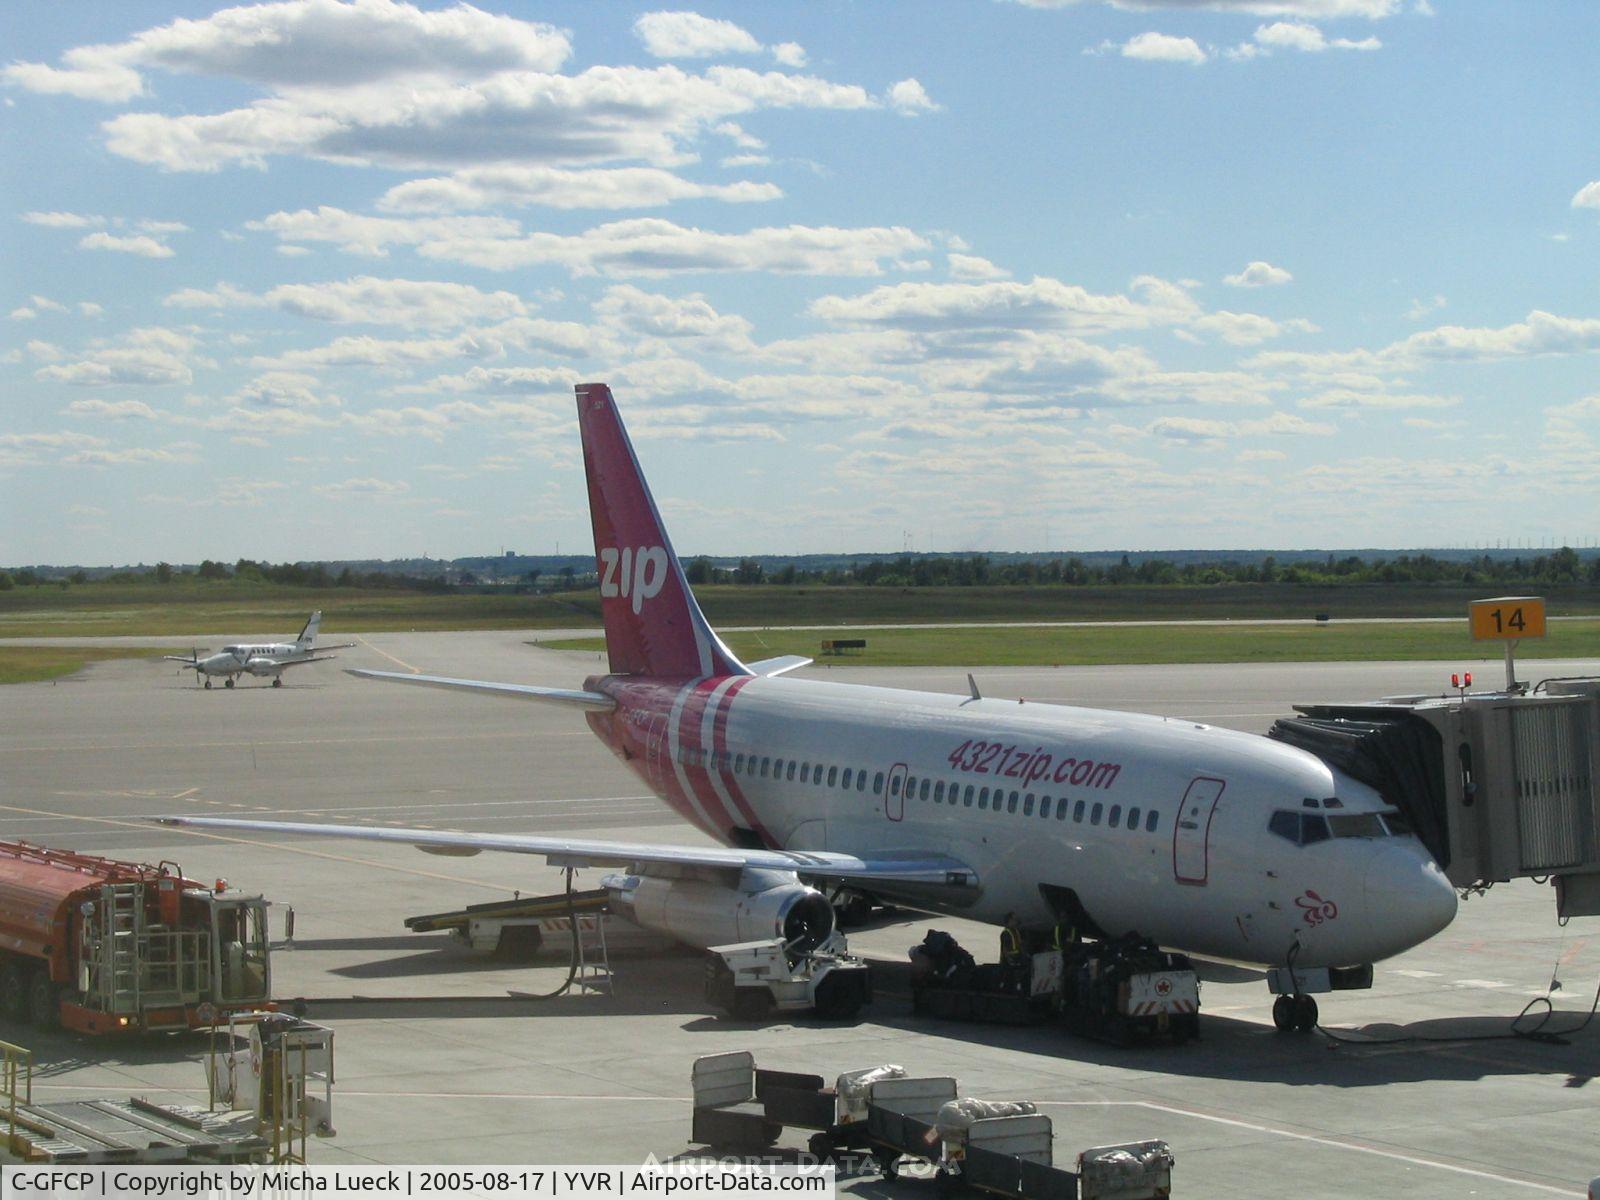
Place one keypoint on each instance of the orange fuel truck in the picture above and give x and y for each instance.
(101, 946)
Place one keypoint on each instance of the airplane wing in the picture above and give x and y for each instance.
(517, 691)
(910, 873)
(779, 666)
(183, 658)
(295, 662)
(340, 646)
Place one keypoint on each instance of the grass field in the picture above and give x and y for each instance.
(31, 664)
(1243, 643)
(200, 607)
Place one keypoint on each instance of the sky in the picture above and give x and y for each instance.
(314, 279)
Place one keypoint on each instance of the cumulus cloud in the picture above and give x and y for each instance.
(63, 220)
(112, 410)
(1163, 47)
(1588, 196)
(689, 35)
(306, 44)
(365, 300)
(284, 390)
(647, 314)
(149, 357)
(909, 98)
(528, 118)
(141, 245)
(1297, 35)
(1258, 274)
(555, 187)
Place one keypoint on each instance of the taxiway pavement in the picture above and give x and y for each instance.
(438, 1063)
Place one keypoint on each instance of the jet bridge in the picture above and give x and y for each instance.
(1498, 785)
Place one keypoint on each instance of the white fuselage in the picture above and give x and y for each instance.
(1155, 824)
(257, 658)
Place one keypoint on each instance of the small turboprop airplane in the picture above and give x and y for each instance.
(1206, 840)
(261, 659)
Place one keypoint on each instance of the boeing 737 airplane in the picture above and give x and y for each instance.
(261, 659)
(1206, 840)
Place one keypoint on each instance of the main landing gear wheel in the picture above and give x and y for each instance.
(277, 681)
(208, 685)
(1297, 1013)
(228, 682)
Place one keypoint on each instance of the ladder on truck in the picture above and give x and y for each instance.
(594, 958)
(123, 929)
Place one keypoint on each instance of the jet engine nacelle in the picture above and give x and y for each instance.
(263, 667)
(703, 912)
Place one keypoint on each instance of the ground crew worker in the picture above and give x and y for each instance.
(1011, 940)
(1066, 934)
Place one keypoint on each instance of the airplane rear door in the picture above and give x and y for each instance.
(894, 789)
(1191, 833)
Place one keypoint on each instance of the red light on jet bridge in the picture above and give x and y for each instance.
(1455, 680)
(1469, 678)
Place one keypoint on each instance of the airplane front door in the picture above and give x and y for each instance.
(894, 799)
(1191, 833)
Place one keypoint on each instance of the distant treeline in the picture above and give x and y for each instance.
(1563, 566)
(1552, 569)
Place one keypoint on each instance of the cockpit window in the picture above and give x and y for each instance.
(1298, 827)
(1362, 825)
(1398, 825)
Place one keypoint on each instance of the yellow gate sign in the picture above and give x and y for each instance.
(1507, 619)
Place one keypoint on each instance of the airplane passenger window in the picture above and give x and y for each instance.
(877, 784)
(966, 799)
(777, 768)
(894, 785)
(738, 764)
(791, 769)
(845, 782)
(938, 792)
(1094, 814)
(805, 772)
(1151, 821)
(861, 781)
(816, 774)
(983, 798)
(1077, 813)
(911, 786)
(766, 765)
(1011, 803)
(1044, 806)
(1133, 819)
(833, 776)
(1115, 817)
(1027, 805)
(922, 792)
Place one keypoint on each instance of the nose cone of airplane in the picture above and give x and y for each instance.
(1408, 896)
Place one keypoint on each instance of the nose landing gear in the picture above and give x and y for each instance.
(1297, 1013)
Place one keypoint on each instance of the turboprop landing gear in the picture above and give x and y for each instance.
(228, 682)
(208, 685)
(1297, 1013)
(277, 681)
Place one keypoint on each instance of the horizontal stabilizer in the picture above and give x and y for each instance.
(517, 691)
(779, 666)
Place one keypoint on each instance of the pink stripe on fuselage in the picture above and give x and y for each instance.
(730, 782)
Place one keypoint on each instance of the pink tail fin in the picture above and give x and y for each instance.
(653, 624)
